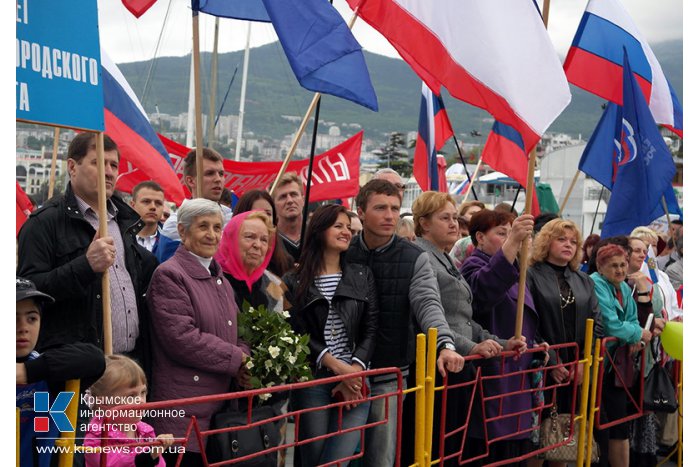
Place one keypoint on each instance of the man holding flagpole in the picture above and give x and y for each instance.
(59, 250)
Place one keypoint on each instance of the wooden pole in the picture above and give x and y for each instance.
(303, 124)
(525, 246)
(568, 192)
(197, 103)
(102, 232)
(214, 77)
(54, 157)
(474, 175)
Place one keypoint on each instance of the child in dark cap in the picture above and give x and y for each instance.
(46, 372)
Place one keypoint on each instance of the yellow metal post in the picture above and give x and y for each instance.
(430, 393)
(592, 410)
(419, 447)
(68, 438)
(585, 388)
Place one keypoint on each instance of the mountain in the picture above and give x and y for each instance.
(273, 91)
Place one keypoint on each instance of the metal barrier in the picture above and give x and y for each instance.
(425, 389)
(477, 384)
(637, 402)
(194, 430)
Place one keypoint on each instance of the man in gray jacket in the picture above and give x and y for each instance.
(408, 303)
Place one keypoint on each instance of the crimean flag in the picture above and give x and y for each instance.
(595, 62)
(434, 130)
(505, 152)
(142, 155)
(510, 69)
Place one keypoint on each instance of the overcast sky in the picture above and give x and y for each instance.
(127, 39)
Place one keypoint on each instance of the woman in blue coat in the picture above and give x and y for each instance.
(492, 273)
(619, 317)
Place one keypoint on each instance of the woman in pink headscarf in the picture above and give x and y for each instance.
(246, 249)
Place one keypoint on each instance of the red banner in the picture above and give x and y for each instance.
(336, 172)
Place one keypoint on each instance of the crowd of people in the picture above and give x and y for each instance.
(360, 284)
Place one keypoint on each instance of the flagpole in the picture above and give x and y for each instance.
(525, 245)
(466, 171)
(54, 157)
(305, 214)
(197, 102)
(211, 124)
(668, 216)
(304, 122)
(568, 192)
(476, 171)
(595, 214)
(517, 193)
(244, 86)
(103, 232)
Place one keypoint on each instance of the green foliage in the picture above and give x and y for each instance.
(278, 355)
(273, 91)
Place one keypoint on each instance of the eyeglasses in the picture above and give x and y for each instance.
(400, 186)
(24, 284)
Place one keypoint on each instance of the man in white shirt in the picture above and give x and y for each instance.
(148, 200)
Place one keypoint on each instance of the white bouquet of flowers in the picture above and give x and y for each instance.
(277, 354)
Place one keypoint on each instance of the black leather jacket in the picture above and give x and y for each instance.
(52, 247)
(544, 287)
(356, 303)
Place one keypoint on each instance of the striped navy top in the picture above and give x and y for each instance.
(335, 334)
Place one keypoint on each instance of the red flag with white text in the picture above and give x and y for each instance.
(336, 172)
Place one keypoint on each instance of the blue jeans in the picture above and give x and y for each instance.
(321, 422)
(380, 441)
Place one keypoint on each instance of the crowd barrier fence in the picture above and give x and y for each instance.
(590, 391)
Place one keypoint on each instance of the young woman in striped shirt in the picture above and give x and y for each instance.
(335, 303)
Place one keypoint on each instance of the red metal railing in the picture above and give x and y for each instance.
(194, 429)
(524, 387)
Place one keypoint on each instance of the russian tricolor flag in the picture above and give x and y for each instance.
(504, 62)
(434, 129)
(143, 156)
(505, 152)
(595, 61)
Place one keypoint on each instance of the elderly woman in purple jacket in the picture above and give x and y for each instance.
(492, 273)
(196, 350)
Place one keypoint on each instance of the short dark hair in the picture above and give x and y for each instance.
(84, 142)
(150, 184)
(376, 186)
(245, 202)
(486, 219)
(505, 207)
(190, 168)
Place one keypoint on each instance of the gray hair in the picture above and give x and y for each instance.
(385, 170)
(193, 208)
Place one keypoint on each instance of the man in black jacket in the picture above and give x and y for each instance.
(61, 253)
(409, 302)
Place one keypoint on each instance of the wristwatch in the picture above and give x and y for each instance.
(447, 346)
(643, 294)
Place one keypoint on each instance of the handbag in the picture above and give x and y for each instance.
(236, 444)
(659, 391)
(627, 372)
(555, 430)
